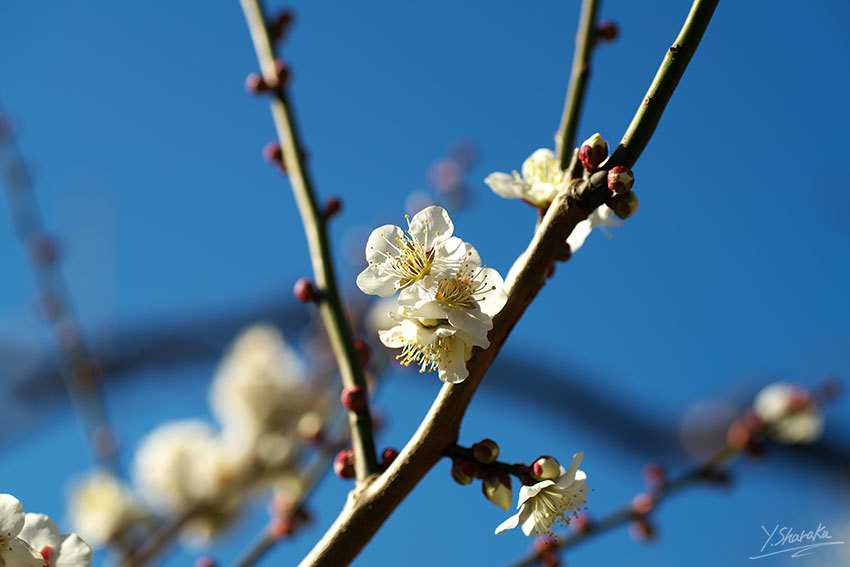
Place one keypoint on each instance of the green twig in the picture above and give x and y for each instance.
(330, 305)
(565, 139)
(675, 62)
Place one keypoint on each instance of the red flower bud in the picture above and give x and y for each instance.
(305, 291)
(344, 464)
(643, 503)
(620, 179)
(654, 474)
(255, 84)
(354, 399)
(593, 152)
(546, 468)
(388, 456)
(273, 154)
(332, 206)
(485, 451)
(463, 471)
(607, 30)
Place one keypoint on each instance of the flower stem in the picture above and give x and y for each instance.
(565, 139)
(666, 79)
(330, 305)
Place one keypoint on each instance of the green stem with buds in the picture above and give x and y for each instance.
(330, 304)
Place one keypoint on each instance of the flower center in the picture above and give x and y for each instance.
(427, 357)
(412, 258)
(464, 289)
(552, 506)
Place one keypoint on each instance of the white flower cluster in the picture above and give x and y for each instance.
(541, 180)
(33, 540)
(447, 298)
(259, 396)
(790, 414)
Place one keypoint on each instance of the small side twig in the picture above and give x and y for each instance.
(330, 305)
(565, 139)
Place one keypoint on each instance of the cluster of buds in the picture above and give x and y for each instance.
(256, 84)
(620, 180)
(496, 484)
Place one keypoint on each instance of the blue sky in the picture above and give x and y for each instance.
(734, 271)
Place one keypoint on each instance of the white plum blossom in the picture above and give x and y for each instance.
(260, 388)
(57, 549)
(101, 505)
(14, 551)
(400, 260)
(549, 501)
(790, 414)
(432, 344)
(542, 178)
(602, 217)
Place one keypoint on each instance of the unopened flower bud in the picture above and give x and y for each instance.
(485, 451)
(546, 468)
(354, 399)
(620, 179)
(283, 72)
(280, 528)
(624, 205)
(593, 152)
(543, 544)
(497, 488)
(580, 523)
(205, 561)
(344, 464)
(463, 471)
(273, 154)
(364, 351)
(641, 530)
(255, 84)
(607, 30)
(305, 291)
(388, 456)
(642, 504)
(654, 474)
(738, 435)
(549, 559)
(332, 206)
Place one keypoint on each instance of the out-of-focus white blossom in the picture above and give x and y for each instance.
(549, 501)
(15, 552)
(379, 316)
(602, 217)
(542, 178)
(184, 462)
(790, 414)
(100, 506)
(260, 387)
(57, 549)
(400, 260)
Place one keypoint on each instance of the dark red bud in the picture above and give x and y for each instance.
(642, 504)
(255, 84)
(280, 528)
(305, 291)
(607, 30)
(388, 456)
(332, 206)
(364, 351)
(354, 399)
(344, 464)
(273, 154)
(654, 474)
(280, 25)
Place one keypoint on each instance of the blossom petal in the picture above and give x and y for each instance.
(375, 281)
(18, 553)
(392, 338)
(40, 531)
(510, 523)
(383, 241)
(418, 293)
(492, 301)
(431, 226)
(579, 234)
(505, 185)
(472, 321)
(11, 515)
(73, 552)
(431, 310)
(527, 492)
(455, 370)
(573, 468)
(529, 525)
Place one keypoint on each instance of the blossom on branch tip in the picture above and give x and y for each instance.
(400, 259)
(549, 501)
(101, 506)
(497, 488)
(541, 179)
(790, 414)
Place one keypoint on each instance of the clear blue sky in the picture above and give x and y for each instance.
(734, 270)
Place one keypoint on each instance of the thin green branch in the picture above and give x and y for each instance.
(565, 139)
(330, 306)
(666, 79)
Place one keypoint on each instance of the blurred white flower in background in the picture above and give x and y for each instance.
(790, 413)
(101, 506)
